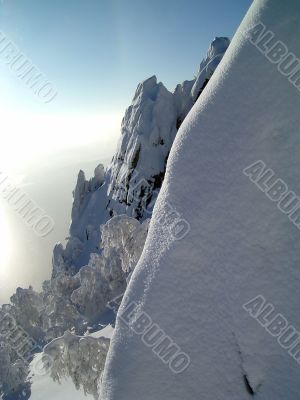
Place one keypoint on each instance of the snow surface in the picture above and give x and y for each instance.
(44, 388)
(239, 246)
(106, 332)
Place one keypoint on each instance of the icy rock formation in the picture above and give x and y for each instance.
(148, 131)
(132, 181)
(183, 100)
(84, 187)
(86, 276)
(227, 294)
(84, 235)
(208, 66)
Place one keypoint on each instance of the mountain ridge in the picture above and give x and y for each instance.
(133, 179)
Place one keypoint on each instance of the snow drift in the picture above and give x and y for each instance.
(240, 246)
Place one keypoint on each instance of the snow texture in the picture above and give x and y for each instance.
(240, 244)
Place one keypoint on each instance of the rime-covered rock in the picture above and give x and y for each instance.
(133, 179)
(148, 131)
(209, 64)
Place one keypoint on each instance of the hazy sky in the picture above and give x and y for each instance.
(95, 52)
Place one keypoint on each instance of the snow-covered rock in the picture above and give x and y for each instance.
(84, 187)
(148, 131)
(191, 293)
(133, 179)
(208, 66)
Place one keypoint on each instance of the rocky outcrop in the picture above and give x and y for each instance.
(148, 131)
(133, 179)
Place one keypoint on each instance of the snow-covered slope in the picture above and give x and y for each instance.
(133, 179)
(240, 244)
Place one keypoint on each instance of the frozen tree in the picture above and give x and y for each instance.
(124, 237)
(63, 259)
(80, 358)
(13, 371)
(93, 293)
(27, 309)
(59, 312)
(68, 302)
(104, 277)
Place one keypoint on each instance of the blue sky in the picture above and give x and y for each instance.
(96, 51)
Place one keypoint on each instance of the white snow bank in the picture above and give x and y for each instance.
(240, 244)
(106, 332)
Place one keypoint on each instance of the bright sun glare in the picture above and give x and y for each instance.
(28, 137)
(5, 239)
(34, 140)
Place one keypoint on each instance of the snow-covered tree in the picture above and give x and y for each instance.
(104, 277)
(59, 313)
(13, 370)
(80, 358)
(93, 292)
(124, 237)
(69, 301)
(27, 309)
